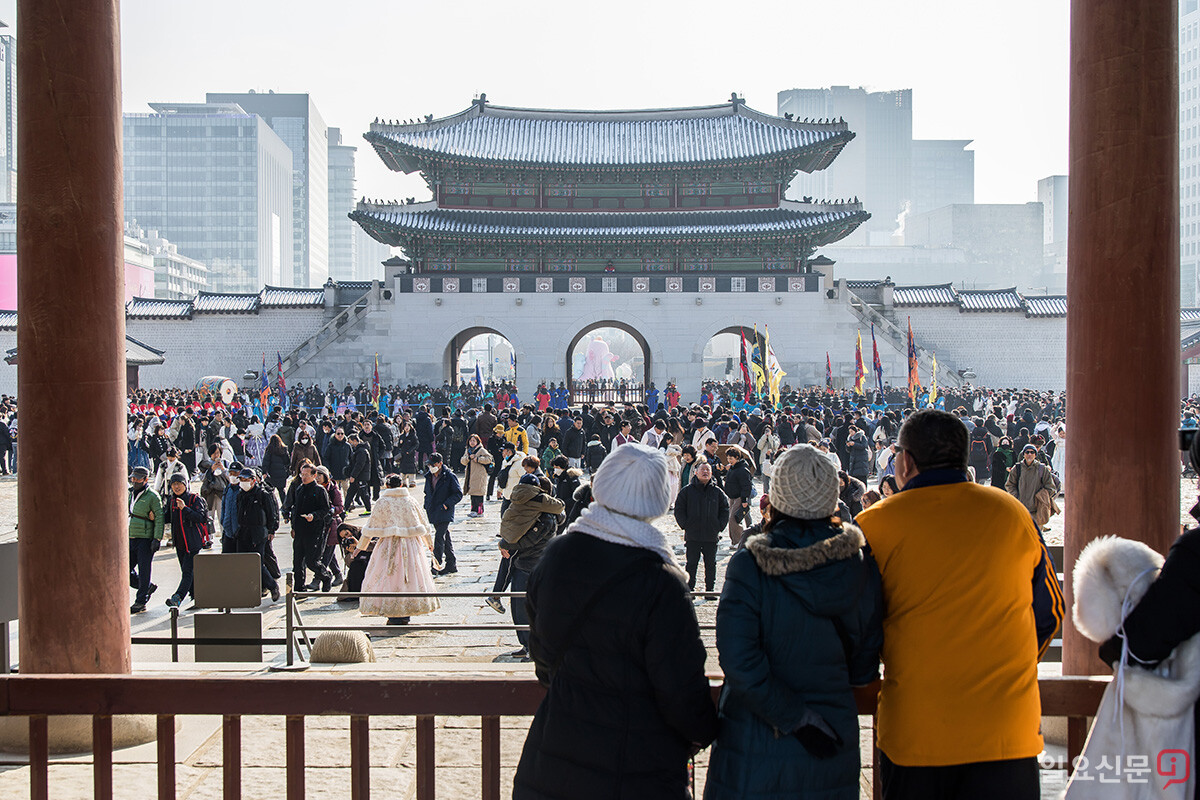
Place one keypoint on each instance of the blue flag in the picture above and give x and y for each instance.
(478, 376)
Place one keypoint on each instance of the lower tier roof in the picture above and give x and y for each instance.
(396, 224)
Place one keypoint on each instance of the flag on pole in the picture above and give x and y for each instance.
(877, 364)
(933, 392)
(264, 391)
(860, 372)
(744, 360)
(828, 373)
(478, 376)
(283, 398)
(914, 376)
(756, 363)
(512, 360)
(775, 372)
(375, 382)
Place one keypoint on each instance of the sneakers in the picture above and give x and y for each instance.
(522, 654)
(337, 580)
(173, 601)
(137, 608)
(275, 594)
(495, 604)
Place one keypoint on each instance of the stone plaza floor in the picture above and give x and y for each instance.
(471, 653)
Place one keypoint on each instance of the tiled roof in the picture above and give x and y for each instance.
(354, 286)
(141, 354)
(278, 297)
(939, 295)
(990, 300)
(1046, 306)
(213, 302)
(8, 320)
(860, 284)
(138, 354)
(394, 224)
(489, 134)
(1189, 315)
(148, 307)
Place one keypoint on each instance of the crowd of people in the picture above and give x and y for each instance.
(815, 585)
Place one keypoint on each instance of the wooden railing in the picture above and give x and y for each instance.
(295, 697)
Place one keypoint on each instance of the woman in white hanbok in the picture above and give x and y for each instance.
(401, 559)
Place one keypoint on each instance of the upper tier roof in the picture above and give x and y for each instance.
(393, 224)
(708, 135)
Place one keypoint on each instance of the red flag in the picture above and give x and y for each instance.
(745, 365)
(914, 375)
(828, 373)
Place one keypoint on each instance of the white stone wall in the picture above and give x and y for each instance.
(412, 334)
(1005, 349)
(220, 344)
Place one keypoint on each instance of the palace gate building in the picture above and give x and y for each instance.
(545, 226)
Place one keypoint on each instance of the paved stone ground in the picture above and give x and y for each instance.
(392, 739)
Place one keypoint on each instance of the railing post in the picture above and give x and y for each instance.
(295, 758)
(360, 758)
(425, 759)
(39, 758)
(288, 615)
(102, 747)
(231, 757)
(174, 634)
(166, 757)
(491, 758)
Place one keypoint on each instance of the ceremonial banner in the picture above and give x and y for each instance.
(860, 373)
(914, 377)
(877, 364)
(828, 374)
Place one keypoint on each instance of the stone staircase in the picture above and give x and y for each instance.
(890, 332)
(343, 321)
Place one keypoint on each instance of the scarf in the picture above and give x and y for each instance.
(613, 526)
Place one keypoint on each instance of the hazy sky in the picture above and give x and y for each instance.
(993, 72)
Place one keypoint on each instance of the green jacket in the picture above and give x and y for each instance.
(146, 516)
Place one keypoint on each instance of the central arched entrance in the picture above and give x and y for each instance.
(608, 362)
(485, 348)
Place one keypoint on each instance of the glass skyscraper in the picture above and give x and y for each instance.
(341, 203)
(300, 126)
(216, 181)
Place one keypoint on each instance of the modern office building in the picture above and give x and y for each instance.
(8, 112)
(1189, 151)
(369, 256)
(217, 181)
(1052, 194)
(943, 174)
(341, 202)
(296, 120)
(876, 167)
(1002, 242)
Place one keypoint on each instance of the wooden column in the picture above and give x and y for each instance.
(74, 562)
(1122, 284)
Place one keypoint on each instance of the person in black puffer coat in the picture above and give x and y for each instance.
(859, 455)
(615, 640)
(702, 511)
(739, 487)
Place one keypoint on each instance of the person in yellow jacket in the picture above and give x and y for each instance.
(972, 600)
(517, 435)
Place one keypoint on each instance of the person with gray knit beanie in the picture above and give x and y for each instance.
(798, 626)
(614, 638)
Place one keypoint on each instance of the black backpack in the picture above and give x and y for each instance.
(978, 449)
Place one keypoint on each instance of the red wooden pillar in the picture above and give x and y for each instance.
(74, 600)
(1122, 322)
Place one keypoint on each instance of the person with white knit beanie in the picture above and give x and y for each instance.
(615, 640)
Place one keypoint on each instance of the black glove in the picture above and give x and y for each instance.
(814, 733)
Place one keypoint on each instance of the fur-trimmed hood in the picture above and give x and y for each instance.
(778, 561)
(817, 561)
(1104, 573)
